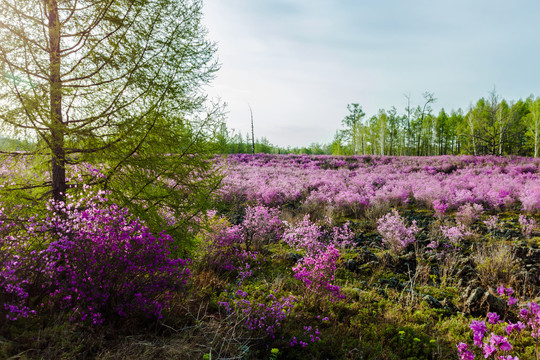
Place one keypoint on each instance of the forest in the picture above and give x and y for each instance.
(493, 126)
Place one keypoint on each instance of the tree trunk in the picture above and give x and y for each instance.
(58, 159)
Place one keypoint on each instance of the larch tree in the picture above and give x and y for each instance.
(116, 85)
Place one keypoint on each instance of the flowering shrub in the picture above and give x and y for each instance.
(396, 235)
(266, 315)
(220, 246)
(527, 225)
(452, 235)
(312, 238)
(261, 225)
(440, 207)
(316, 271)
(455, 233)
(259, 309)
(468, 213)
(89, 257)
(493, 223)
(310, 333)
(320, 246)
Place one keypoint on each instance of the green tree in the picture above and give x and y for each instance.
(353, 133)
(442, 132)
(394, 123)
(492, 120)
(117, 84)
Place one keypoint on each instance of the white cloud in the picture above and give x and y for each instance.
(298, 63)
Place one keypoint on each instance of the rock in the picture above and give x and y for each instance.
(479, 302)
(386, 259)
(432, 302)
(467, 273)
(449, 306)
(406, 264)
(350, 265)
(366, 256)
(292, 257)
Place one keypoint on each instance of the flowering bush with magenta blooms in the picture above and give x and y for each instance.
(92, 259)
(316, 271)
(265, 314)
(312, 238)
(496, 346)
(320, 246)
(396, 235)
(454, 234)
(221, 245)
(440, 207)
(450, 242)
(493, 223)
(258, 309)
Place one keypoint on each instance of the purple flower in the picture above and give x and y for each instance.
(489, 350)
(524, 313)
(493, 318)
(478, 327)
(514, 327)
(464, 353)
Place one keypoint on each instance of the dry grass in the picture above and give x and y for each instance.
(496, 264)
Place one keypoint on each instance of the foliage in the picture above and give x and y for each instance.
(100, 84)
(89, 258)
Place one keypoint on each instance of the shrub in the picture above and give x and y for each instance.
(320, 246)
(440, 208)
(316, 271)
(312, 238)
(220, 246)
(527, 225)
(90, 258)
(468, 213)
(454, 234)
(493, 223)
(261, 225)
(396, 235)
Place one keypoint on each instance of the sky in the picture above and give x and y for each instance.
(298, 63)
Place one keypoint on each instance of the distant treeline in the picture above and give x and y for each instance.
(493, 126)
(7, 144)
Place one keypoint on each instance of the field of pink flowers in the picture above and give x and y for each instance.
(350, 184)
(303, 257)
(466, 196)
